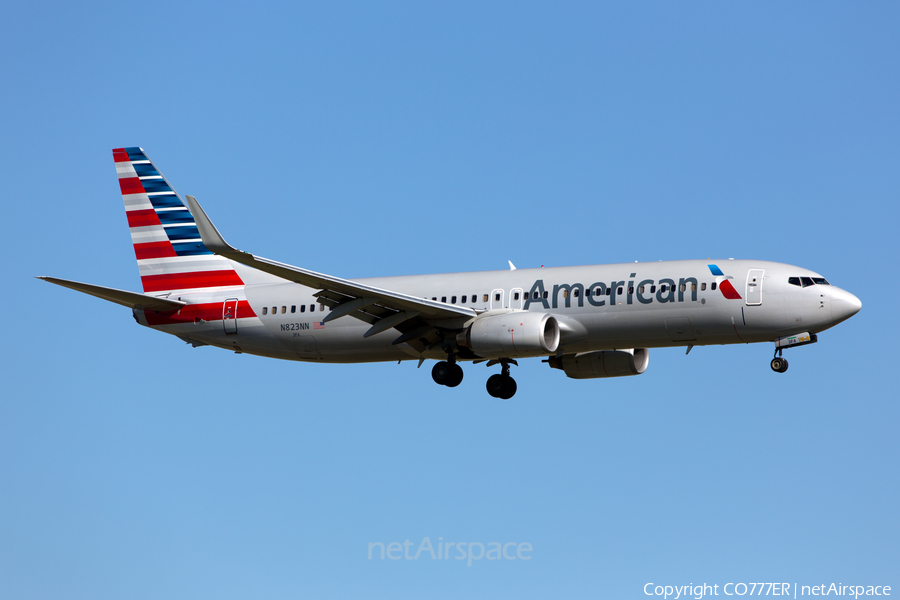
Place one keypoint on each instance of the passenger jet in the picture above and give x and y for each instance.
(588, 321)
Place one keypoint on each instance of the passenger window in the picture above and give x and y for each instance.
(682, 287)
(712, 286)
(703, 287)
(794, 281)
(609, 291)
(537, 295)
(452, 299)
(565, 293)
(546, 295)
(444, 299)
(496, 297)
(575, 293)
(293, 309)
(640, 289)
(693, 287)
(807, 281)
(485, 298)
(274, 310)
(663, 288)
(516, 296)
(265, 310)
(631, 290)
(463, 300)
(620, 291)
(321, 308)
(283, 309)
(652, 289)
(302, 308)
(434, 298)
(312, 308)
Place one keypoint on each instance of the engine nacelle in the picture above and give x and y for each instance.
(606, 363)
(516, 334)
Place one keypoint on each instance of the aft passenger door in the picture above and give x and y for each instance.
(754, 287)
(229, 316)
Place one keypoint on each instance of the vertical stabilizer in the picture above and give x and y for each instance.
(170, 254)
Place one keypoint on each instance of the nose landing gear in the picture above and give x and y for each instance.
(779, 364)
(502, 385)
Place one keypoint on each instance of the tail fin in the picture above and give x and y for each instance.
(167, 245)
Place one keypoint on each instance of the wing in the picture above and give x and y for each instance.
(123, 297)
(419, 320)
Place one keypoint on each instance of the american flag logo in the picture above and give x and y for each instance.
(318, 325)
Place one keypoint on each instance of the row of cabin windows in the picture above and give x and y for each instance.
(312, 308)
(807, 281)
(641, 289)
(575, 293)
(537, 295)
(465, 297)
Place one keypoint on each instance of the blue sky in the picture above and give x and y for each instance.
(362, 139)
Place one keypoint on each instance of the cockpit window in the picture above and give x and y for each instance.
(807, 281)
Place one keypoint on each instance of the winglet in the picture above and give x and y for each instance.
(211, 237)
(512, 267)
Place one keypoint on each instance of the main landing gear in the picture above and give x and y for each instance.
(447, 372)
(502, 385)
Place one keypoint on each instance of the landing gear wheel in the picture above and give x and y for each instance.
(495, 385)
(779, 365)
(441, 372)
(510, 388)
(501, 386)
(456, 376)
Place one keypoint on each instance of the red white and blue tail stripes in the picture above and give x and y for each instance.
(167, 245)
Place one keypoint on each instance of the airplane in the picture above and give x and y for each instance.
(587, 321)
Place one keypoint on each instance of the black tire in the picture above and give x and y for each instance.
(784, 366)
(509, 388)
(495, 385)
(441, 372)
(456, 376)
(776, 364)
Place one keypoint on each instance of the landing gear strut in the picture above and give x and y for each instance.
(447, 372)
(502, 385)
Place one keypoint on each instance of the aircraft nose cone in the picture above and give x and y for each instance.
(843, 305)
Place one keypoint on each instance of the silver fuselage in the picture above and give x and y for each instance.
(599, 307)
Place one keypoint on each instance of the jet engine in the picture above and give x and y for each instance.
(606, 363)
(516, 334)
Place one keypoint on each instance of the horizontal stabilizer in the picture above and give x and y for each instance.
(125, 298)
